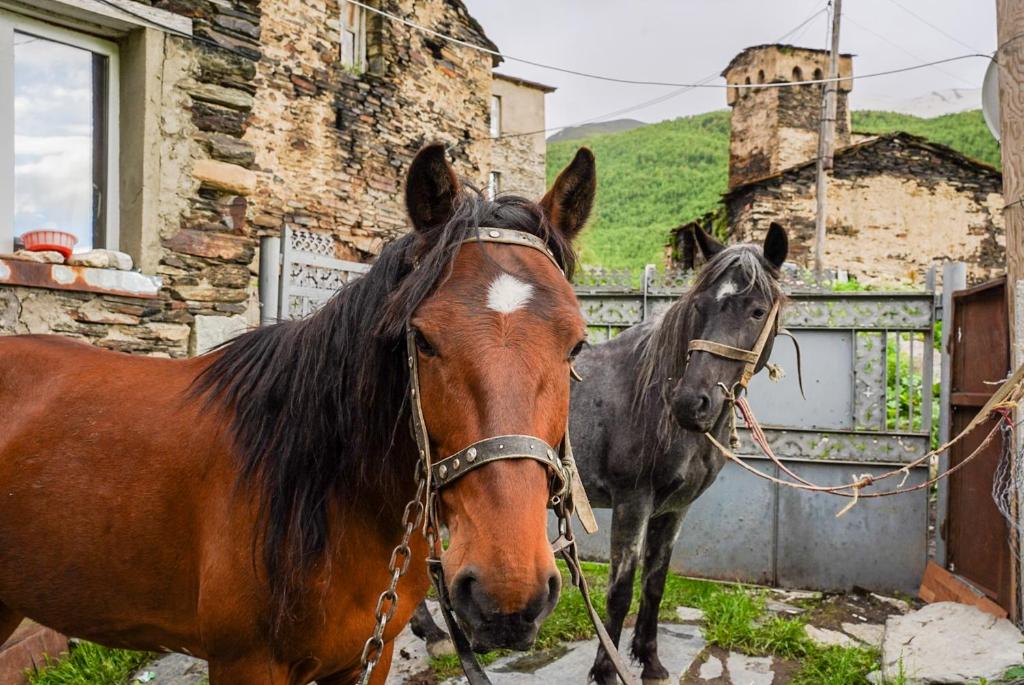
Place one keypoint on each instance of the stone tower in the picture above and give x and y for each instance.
(776, 128)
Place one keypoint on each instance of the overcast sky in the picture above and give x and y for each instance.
(688, 40)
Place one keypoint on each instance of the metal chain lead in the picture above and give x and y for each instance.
(401, 555)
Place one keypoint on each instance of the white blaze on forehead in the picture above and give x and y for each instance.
(725, 290)
(507, 294)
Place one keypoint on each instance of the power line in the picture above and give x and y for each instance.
(903, 49)
(933, 26)
(661, 98)
(673, 84)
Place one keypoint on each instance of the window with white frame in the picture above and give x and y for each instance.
(58, 133)
(353, 36)
(495, 116)
(493, 184)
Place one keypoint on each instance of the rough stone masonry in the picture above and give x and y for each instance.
(234, 145)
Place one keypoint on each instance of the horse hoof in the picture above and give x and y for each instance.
(439, 648)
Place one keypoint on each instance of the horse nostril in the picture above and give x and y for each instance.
(703, 403)
(544, 602)
(464, 590)
(554, 588)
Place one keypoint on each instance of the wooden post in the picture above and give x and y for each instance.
(1010, 27)
(826, 143)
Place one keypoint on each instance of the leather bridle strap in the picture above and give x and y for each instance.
(508, 236)
(566, 489)
(494, 449)
(748, 357)
(723, 350)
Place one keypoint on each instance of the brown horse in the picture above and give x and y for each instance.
(242, 506)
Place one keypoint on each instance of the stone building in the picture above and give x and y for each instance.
(897, 203)
(519, 153)
(215, 123)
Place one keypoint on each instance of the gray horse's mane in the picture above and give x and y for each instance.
(662, 348)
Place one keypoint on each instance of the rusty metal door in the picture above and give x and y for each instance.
(980, 356)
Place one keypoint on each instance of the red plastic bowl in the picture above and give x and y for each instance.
(47, 239)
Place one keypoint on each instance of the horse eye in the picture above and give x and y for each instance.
(758, 313)
(424, 346)
(576, 350)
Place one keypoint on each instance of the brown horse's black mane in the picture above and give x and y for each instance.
(319, 405)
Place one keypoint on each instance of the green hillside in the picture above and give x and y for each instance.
(653, 178)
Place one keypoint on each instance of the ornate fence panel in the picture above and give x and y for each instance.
(867, 366)
(310, 273)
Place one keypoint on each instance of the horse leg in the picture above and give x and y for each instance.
(629, 519)
(423, 627)
(9, 622)
(661, 536)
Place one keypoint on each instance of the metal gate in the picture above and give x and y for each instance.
(867, 361)
(868, 377)
(299, 273)
(976, 533)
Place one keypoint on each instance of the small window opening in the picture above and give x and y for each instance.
(493, 184)
(798, 74)
(495, 116)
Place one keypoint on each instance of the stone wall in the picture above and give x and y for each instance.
(896, 207)
(225, 146)
(332, 146)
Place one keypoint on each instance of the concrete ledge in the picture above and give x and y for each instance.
(81, 278)
(27, 649)
(116, 18)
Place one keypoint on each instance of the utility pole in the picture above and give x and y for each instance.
(1010, 56)
(826, 143)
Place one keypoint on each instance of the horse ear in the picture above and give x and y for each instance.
(708, 244)
(567, 205)
(430, 188)
(776, 245)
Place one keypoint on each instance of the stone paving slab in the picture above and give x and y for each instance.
(678, 646)
(948, 642)
(173, 669)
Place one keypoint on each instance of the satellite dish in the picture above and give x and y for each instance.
(990, 98)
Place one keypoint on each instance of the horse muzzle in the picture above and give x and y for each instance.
(695, 410)
(489, 628)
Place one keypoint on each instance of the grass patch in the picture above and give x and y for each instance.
(448, 666)
(836, 666)
(90, 664)
(734, 618)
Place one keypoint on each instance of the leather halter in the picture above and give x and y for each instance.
(748, 357)
(567, 495)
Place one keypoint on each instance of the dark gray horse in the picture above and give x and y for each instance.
(638, 421)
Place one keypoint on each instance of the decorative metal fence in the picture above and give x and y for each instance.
(308, 273)
(867, 364)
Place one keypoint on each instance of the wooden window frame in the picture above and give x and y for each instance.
(358, 60)
(11, 22)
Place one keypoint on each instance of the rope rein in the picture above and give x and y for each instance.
(1000, 406)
